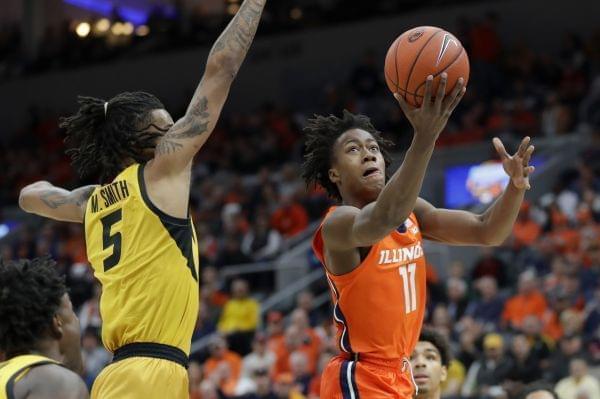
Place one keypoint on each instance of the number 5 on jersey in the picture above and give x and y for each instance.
(109, 239)
(410, 292)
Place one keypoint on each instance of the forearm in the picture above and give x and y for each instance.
(498, 220)
(44, 199)
(230, 49)
(397, 199)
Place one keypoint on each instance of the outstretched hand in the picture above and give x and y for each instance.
(430, 119)
(517, 166)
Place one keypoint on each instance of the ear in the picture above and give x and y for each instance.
(444, 374)
(57, 326)
(334, 176)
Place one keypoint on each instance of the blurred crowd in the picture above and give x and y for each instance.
(527, 311)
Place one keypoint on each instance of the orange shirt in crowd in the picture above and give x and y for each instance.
(526, 232)
(234, 361)
(520, 306)
(312, 349)
(290, 220)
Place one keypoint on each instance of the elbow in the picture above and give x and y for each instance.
(492, 240)
(221, 66)
(23, 199)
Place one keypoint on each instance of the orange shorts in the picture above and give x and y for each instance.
(366, 379)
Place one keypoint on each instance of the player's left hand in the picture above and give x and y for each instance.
(517, 166)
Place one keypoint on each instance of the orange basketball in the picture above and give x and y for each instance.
(420, 52)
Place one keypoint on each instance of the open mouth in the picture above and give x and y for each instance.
(371, 172)
(421, 378)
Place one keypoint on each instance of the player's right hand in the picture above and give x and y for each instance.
(430, 119)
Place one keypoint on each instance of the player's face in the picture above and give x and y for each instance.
(427, 367)
(358, 166)
(66, 325)
(160, 122)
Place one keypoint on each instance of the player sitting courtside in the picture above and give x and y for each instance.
(39, 333)
(371, 244)
(429, 361)
(140, 238)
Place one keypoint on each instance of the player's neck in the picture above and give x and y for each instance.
(48, 348)
(437, 394)
(348, 199)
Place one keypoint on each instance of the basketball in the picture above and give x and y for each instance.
(420, 52)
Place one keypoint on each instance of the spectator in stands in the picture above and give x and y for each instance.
(580, 384)
(568, 348)
(261, 242)
(290, 218)
(315, 384)
(240, 317)
(304, 301)
(231, 253)
(490, 371)
(261, 358)
(89, 314)
(539, 391)
(95, 357)
(489, 265)
(311, 342)
(286, 387)
(541, 345)
(299, 368)
(195, 379)
(488, 308)
(223, 367)
(528, 301)
(526, 367)
(274, 330)
(525, 231)
(263, 390)
(293, 341)
(456, 292)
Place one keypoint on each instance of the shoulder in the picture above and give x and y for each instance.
(52, 381)
(340, 215)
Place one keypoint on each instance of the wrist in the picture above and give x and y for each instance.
(422, 141)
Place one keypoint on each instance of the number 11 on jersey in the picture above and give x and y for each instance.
(407, 273)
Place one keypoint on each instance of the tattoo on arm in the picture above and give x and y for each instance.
(193, 124)
(238, 36)
(54, 199)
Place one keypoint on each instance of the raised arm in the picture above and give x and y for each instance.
(177, 148)
(350, 227)
(44, 199)
(494, 225)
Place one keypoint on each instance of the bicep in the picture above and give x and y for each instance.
(349, 227)
(448, 226)
(177, 148)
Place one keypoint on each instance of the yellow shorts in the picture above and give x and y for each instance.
(142, 378)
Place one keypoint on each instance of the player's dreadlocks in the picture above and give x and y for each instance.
(30, 295)
(321, 135)
(103, 138)
(436, 339)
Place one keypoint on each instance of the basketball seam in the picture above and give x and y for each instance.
(397, 84)
(442, 71)
(410, 93)
(416, 59)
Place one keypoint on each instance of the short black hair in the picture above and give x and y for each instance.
(30, 295)
(321, 134)
(538, 386)
(437, 340)
(99, 142)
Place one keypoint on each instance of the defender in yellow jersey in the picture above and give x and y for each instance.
(38, 331)
(139, 236)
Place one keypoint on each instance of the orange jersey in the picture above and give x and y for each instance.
(380, 305)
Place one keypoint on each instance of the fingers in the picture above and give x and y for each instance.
(523, 146)
(453, 99)
(527, 155)
(441, 92)
(500, 149)
(428, 88)
(529, 170)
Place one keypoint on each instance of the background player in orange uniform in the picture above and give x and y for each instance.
(371, 244)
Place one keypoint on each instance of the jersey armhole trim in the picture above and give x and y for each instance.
(146, 198)
(11, 381)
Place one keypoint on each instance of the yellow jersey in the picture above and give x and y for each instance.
(147, 263)
(14, 369)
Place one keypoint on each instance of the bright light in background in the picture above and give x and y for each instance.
(103, 25)
(128, 28)
(233, 8)
(296, 13)
(83, 29)
(142, 30)
(4, 230)
(117, 28)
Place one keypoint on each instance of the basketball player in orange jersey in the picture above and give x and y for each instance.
(371, 244)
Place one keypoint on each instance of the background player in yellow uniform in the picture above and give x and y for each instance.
(139, 236)
(39, 333)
